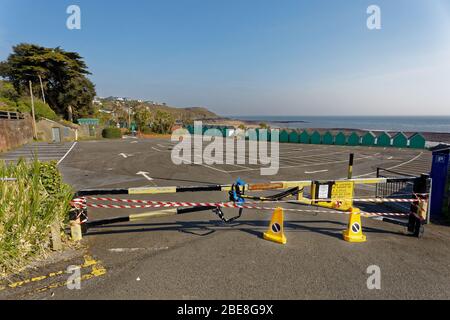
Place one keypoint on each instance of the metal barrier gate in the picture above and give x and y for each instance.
(337, 196)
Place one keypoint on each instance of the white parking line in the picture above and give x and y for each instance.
(319, 171)
(394, 167)
(67, 153)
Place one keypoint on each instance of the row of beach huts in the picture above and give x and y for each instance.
(368, 139)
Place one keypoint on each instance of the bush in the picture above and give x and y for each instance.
(7, 105)
(112, 133)
(147, 130)
(28, 207)
(163, 122)
(41, 109)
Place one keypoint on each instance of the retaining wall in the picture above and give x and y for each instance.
(14, 133)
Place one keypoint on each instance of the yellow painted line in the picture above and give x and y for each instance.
(88, 262)
(369, 181)
(97, 271)
(150, 215)
(153, 190)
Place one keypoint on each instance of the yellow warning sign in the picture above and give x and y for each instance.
(342, 194)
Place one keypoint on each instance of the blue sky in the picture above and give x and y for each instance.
(253, 57)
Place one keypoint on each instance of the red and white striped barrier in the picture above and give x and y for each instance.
(145, 204)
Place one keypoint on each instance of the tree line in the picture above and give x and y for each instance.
(60, 75)
(60, 82)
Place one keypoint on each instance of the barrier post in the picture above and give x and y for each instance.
(419, 209)
(350, 166)
(75, 226)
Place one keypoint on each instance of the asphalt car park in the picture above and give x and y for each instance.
(196, 256)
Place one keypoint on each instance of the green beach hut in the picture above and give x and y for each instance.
(340, 139)
(253, 134)
(417, 141)
(384, 140)
(305, 137)
(354, 139)
(328, 138)
(205, 129)
(264, 135)
(369, 139)
(400, 140)
(284, 136)
(294, 137)
(316, 138)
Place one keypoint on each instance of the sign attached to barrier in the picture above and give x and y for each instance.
(343, 192)
(323, 192)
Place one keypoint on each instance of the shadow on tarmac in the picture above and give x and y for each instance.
(206, 228)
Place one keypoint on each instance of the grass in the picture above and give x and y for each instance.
(28, 206)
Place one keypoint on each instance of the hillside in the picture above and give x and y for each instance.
(195, 113)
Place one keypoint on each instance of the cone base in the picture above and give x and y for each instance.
(354, 238)
(275, 238)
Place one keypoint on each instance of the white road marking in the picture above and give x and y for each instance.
(156, 149)
(125, 250)
(305, 165)
(394, 167)
(203, 165)
(145, 175)
(125, 155)
(67, 153)
(319, 171)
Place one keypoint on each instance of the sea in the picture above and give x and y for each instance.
(437, 124)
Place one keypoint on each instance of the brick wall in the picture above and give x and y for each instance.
(14, 133)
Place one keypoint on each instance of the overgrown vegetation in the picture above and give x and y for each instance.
(162, 122)
(10, 100)
(148, 122)
(112, 133)
(28, 207)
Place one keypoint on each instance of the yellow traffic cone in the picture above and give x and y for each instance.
(276, 229)
(354, 231)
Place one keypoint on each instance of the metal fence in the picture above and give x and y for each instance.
(11, 115)
(400, 186)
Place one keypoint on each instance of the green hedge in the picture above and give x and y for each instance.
(112, 133)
